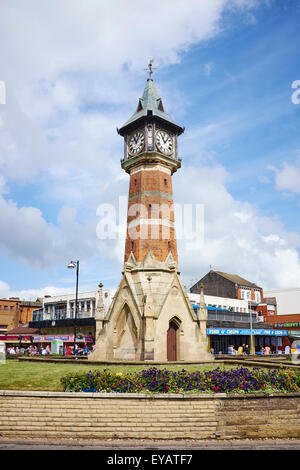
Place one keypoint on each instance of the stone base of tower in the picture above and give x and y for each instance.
(151, 318)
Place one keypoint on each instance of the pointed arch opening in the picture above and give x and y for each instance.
(173, 339)
(126, 335)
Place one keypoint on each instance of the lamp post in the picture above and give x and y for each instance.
(73, 265)
(251, 332)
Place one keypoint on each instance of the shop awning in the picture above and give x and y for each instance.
(245, 332)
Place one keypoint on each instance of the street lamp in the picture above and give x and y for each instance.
(73, 265)
(252, 347)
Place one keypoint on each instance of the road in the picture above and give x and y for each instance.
(115, 445)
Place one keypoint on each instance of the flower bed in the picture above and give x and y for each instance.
(241, 380)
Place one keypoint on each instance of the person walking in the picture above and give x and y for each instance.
(267, 350)
(240, 350)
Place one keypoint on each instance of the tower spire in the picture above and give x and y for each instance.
(149, 69)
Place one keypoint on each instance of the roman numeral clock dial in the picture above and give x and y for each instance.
(136, 143)
(164, 142)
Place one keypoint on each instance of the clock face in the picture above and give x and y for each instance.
(136, 142)
(164, 142)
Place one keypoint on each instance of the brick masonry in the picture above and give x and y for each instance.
(102, 416)
(151, 188)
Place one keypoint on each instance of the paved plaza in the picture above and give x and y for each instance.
(116, 445)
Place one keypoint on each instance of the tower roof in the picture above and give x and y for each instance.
(240, 281)
(150, 105)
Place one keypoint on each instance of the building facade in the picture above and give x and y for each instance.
(217, 283)
(15, 312)
(287, 312)
(56, 317)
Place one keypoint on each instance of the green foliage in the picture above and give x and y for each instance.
(166, 381)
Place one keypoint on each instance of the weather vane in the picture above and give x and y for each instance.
(150, 68)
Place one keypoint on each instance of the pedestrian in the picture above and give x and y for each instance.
(240, 350)
(247, 351)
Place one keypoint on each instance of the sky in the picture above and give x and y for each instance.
(71, 73)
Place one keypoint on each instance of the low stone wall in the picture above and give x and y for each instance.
(103, 415)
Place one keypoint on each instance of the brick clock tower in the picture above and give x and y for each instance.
(151, 317)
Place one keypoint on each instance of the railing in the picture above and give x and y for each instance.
(62, 315)
(219, 315)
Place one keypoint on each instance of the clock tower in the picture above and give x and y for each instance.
(150, 317)
(150, 158)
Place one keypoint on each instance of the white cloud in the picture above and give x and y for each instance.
(288, 178)
(237, 238)
(4, 290)
(32, 294)
(26, 236)
(208, 68)
(73, 72)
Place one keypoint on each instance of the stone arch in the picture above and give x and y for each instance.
(126, 335)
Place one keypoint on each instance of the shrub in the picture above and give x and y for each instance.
(166, 381)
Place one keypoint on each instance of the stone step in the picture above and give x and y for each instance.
(90, 434)
(37, 404)
(109, 414)
(13, 420)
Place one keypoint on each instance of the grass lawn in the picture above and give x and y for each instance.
(15, 375)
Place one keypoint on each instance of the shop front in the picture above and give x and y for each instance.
(16, 340)
(219, 339)
(66, 342)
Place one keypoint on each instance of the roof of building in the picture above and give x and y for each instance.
(25, 303)
(150, 103)
(240, 281)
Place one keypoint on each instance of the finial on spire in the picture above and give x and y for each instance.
(150, 68)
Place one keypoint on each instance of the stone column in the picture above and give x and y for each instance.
(202, 316)
(100, 311)
(149, 324)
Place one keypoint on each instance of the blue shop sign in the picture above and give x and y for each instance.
(245, 332)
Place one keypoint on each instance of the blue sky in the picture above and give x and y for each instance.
(224, 70)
